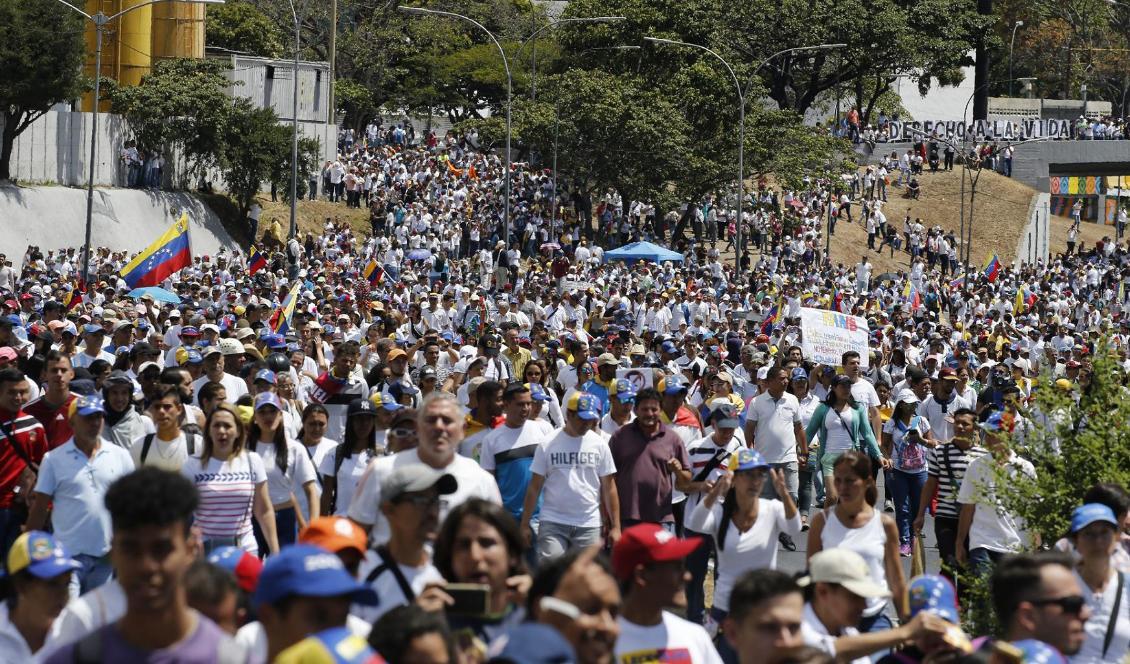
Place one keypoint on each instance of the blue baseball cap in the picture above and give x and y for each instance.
(89, 405)
(669, 347)
(799, 374)
(584, 405)
(194, 357)
(675, 385)
(933, 593)
(91, 328)
(400, 389)
(41, 555)
(245, 567)
(625, 389)
(532, 643)
(189, 331)
(537, 392)
(1085, 515)
(446, 335)
(386, 401)
(1037, 652)
(747, 459)
(275, 341)
(267, 375)
(267, 399)
(305, 570)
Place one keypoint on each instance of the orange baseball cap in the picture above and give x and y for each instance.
(335, 533)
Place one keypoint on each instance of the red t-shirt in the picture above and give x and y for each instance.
(32, 441)
(54, 420)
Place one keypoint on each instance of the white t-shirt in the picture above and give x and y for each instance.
(473, 482)
(992, 528)
(776, 419)
(837, 435)
(1101, 605)
(815, 634)
(572, 467)
(387, 587)
(348, 475)
(82, 615)
(234, 386)
(227, 496)
(756, 548)
(672, 640)
(164, 454)
(299, 470)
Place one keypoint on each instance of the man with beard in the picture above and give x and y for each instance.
(440, 429)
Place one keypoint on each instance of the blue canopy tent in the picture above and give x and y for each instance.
(642, 251)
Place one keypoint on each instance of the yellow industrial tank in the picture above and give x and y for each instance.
(178, 30)
(131, 43)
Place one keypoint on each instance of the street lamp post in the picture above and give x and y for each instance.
(1011, 43)
(547, 26)
(293, 231)
(741, 120)
(100, 21)
(509, 94)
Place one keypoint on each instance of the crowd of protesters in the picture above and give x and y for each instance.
(453, 448)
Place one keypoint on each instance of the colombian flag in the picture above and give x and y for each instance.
(992, 268)
(168, 255)
(255, 261)
(280, 320)
(374, 273)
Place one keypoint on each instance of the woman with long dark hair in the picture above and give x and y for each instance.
(232, 483)
(288, 470)
(745, 526)
(342, 468)
(853, 523)
(842, 425)
(535, 372)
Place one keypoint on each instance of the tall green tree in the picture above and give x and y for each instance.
(41, 48)
(240, 26)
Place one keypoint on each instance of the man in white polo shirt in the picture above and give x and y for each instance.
(773, 428)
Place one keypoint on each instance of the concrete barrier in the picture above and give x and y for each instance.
(123, 219)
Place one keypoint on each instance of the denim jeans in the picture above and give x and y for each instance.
(877, 623)
(697, 563)
(792, 480)
(554, 539)
(286, 529)
(905, 492)
(11, 525)
(95, 571)
(727, 653)
(983, 560)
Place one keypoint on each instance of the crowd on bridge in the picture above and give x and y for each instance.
(448, 440)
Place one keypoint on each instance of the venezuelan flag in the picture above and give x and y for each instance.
(959, 283)
(168, 255)
(771, 319)
(74, 298)
(374, 273)
(992, 268)
(911, 295)
(255, 261)
(280, 320)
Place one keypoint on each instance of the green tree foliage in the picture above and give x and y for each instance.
(41, 48)
(256, 149)
(182, 105)
(241, 26)
(1073, 447)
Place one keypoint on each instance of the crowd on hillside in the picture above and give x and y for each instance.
(451, 448)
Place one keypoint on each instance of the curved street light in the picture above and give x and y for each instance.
(741, 117)
(553, 24)
(100, 20)
(509, 93)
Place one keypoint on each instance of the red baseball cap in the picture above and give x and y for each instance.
(647, 543)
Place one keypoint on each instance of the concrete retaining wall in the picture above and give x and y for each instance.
(123, 219)
(55, 149)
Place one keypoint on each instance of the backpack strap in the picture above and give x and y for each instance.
(1114, 614)
(145, 445)
(190, 442)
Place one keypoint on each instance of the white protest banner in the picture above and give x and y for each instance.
(641, 378)
(827, 335)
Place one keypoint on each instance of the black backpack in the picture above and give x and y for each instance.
(189, 442)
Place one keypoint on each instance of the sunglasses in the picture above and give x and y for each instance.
(1072, 604)
(402, 432)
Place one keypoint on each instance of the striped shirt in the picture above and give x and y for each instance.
(227, 495)
(701, 452)
(947, 464)
(32, 444)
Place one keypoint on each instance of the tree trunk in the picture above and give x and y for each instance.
(7, 143)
